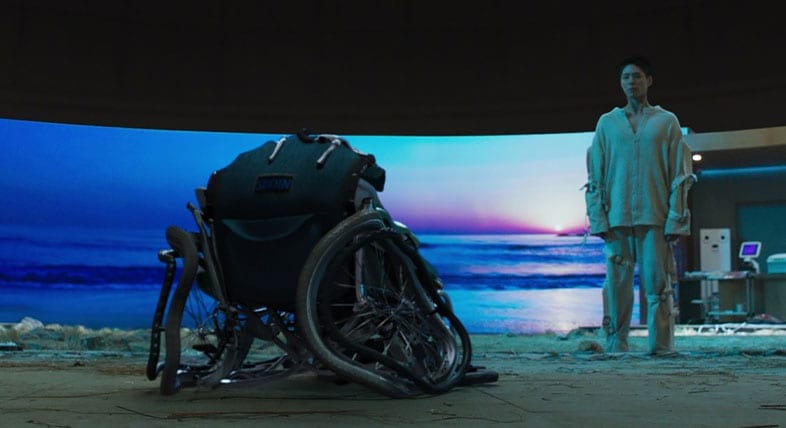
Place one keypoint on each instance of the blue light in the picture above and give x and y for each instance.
(758, 170)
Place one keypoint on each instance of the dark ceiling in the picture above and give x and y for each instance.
(385, 67)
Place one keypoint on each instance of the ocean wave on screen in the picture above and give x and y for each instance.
(526, 268)
(34, 276)
(106, 244)
(23, 246)
(543, 248)
(518, 282)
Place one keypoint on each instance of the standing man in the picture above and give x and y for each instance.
(640, 172)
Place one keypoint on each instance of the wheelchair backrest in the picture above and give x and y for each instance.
(272, 204)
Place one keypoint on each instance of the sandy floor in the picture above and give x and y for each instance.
(718, 379)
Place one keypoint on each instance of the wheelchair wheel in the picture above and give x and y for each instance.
(201, 341)
(370, 312)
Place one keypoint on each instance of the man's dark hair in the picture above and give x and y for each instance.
(637, 60)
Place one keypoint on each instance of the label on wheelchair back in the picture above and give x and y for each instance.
(273, 183)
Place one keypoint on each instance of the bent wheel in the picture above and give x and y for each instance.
(371, 313)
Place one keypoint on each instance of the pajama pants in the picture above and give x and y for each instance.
(646, 246)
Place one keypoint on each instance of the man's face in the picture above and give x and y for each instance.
(634, 82)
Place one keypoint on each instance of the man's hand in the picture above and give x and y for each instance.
(672, 238)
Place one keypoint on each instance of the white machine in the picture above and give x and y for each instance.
(715, 250)
(749, 251)
(776, 263)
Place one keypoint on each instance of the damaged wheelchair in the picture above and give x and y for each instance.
(294, 265)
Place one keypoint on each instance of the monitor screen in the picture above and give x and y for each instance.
(750, 249)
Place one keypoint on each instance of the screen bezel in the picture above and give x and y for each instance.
(746, 246)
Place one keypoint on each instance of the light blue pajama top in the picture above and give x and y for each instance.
(639, 178)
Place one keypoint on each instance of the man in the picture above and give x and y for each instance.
(640, 172)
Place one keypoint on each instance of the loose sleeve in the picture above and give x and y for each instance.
(595, 195)
(682, 178)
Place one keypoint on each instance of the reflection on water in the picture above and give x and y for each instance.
(529, 311)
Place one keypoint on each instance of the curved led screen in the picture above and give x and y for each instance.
(501, 217)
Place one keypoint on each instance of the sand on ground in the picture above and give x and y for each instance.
(720, 378)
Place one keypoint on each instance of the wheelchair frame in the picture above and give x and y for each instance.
(368, 309)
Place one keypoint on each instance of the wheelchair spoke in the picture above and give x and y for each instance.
(385, 315)
(370, 305)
